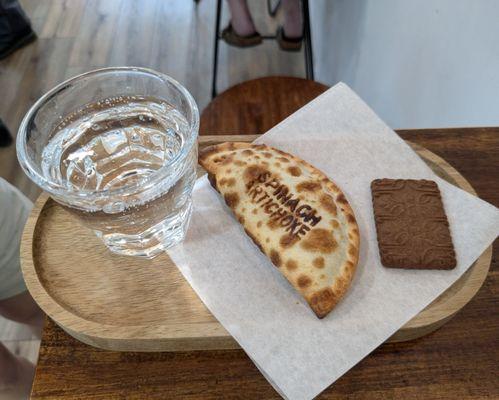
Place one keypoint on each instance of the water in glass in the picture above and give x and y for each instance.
(117, 143)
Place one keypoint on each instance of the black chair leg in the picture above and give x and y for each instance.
(215, 53)
(307, 39)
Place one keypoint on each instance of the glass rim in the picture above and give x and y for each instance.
(52, 187)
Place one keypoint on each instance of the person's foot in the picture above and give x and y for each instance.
(286, 43)
(290, 34)
(293, 19)
(13, 41)
(240, 18)
(293, 28)
(241, 31)
(5, 137)
(230, 36)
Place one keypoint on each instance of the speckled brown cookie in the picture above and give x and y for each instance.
(295, 215)
(411, 224)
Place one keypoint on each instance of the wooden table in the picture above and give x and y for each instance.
(459, 361)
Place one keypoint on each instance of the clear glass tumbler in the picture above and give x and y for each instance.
(117, 147)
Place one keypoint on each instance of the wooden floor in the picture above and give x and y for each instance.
(175, 37)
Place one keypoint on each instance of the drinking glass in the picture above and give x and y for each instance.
(117, 148)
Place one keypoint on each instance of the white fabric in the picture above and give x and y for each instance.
(14, 211)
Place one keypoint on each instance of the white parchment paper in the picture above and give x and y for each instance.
(299, 354)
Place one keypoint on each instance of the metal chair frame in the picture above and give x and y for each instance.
(307, 40)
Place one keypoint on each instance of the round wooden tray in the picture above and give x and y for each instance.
(129, 304)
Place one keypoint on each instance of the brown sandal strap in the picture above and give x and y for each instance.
(231, 37)
(286, 43)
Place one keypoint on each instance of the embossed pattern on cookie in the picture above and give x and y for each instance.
(411, 225)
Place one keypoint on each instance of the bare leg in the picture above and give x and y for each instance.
(293, 20)
(22, 308)
(241, 19)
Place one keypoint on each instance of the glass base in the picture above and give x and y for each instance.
(155, 240)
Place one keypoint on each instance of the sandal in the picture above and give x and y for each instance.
(288, 44)
(231, 37)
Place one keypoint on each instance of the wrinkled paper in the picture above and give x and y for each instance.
(299, 354)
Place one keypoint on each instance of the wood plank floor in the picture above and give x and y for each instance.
(175, 37)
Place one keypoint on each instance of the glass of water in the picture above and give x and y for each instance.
(117, 147)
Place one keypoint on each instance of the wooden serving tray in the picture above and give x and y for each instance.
(130, 304)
